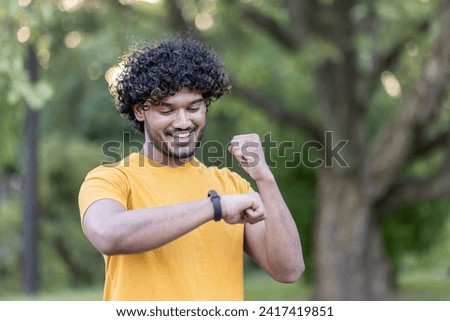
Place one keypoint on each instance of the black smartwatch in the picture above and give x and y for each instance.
(215, 199)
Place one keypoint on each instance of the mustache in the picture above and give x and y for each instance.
(173, 131)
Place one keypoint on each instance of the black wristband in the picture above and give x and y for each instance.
(215, 199)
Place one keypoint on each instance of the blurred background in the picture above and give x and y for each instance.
(354, 96)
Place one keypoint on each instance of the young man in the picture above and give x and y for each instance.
(169, 227)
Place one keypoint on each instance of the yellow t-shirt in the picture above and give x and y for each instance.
(204, 264)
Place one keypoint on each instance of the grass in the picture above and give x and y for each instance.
(79, 294)
(260, 287)
(413, 289)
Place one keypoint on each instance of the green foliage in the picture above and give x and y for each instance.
(16, 86)
(10, 244)
(414, 230)
(68, 257)
(71, 258)
(15, 80)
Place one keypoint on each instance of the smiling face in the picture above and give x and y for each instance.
(174, 129)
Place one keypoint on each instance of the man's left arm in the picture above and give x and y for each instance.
(274, 243)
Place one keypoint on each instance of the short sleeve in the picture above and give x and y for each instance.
(242, 184)
(103, 182)
(231, 182)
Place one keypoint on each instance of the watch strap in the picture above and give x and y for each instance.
(215, 199)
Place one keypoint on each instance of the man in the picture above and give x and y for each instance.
(169, 227)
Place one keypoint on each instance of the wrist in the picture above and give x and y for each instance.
(266, 176)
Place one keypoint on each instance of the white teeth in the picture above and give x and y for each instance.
(182, 135)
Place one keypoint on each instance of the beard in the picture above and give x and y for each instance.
(169, 148)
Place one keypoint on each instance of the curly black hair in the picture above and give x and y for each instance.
(151, 73)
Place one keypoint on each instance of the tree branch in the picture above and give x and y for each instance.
(395, 145)
(272, 28)
(302, 18)
(275, 110)
(415, 190)
(426, 145)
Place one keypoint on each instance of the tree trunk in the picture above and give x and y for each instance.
(30, 273)
(350, 259)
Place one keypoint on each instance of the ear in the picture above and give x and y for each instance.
(139, 112)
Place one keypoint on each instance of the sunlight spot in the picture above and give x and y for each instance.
(112, 74)
(44, 58)
(23, 34)
(24, 3)
(204, 21)
(73, 39)
(70, 5)
(391, 84)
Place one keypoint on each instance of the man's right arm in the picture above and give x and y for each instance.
(114, 230)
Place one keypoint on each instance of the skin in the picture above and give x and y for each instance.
(172, 132)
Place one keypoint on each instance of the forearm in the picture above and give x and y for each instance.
(114, 230)
(275, 243)
(282, 241)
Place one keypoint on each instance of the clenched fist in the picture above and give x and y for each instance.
(242, 208)
(248, 151)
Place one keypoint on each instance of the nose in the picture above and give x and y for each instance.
(182, 120)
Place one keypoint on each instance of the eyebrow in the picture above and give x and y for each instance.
(195, 101)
